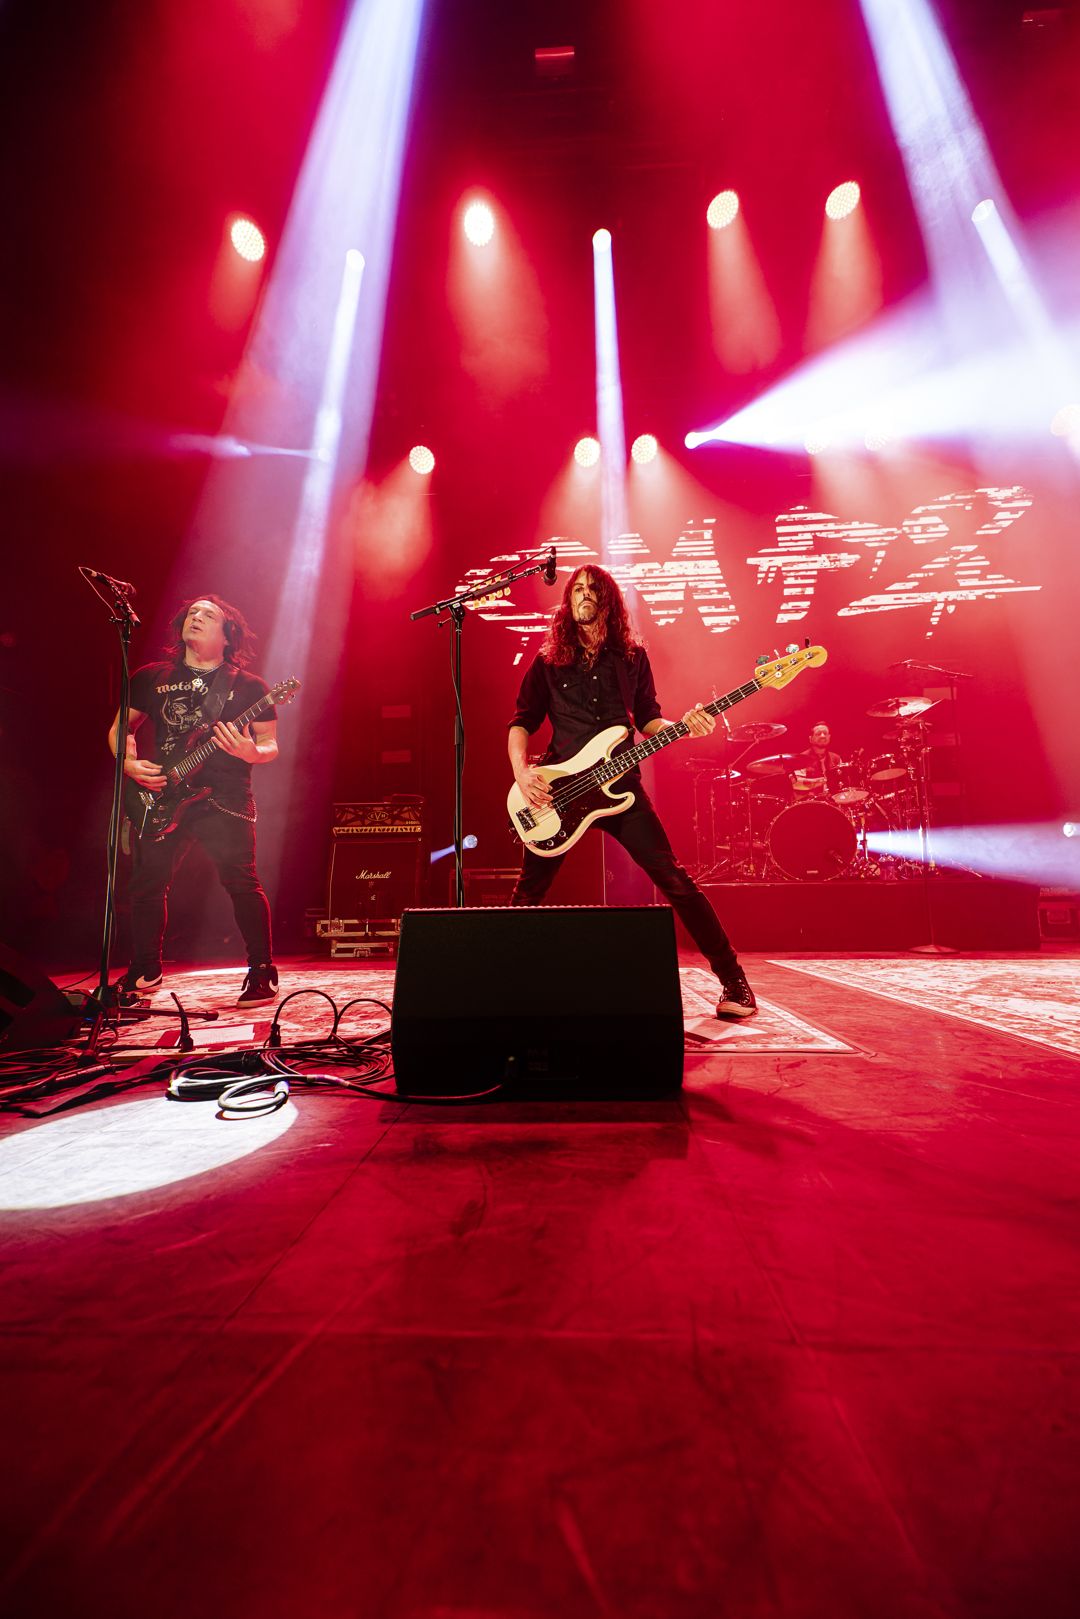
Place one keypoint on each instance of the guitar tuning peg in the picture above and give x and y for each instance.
(764, 658)
(792, 647)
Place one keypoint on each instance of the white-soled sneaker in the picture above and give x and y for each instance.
(260, 985)
(736, 997)
(139, 981)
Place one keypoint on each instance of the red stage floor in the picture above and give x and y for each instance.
(800, 1341)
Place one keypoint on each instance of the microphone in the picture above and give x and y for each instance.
(549, 567)
(120, 586)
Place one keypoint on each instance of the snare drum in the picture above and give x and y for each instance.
(849, 784)
(812, 841)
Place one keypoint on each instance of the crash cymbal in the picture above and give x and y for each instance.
(776, 764)
(757, 731)
(900, 708)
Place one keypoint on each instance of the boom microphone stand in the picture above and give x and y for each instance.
(117, 596)
(451, 611)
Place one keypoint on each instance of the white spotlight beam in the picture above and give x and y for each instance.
(609, 400)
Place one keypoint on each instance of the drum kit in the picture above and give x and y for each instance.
(772, 819)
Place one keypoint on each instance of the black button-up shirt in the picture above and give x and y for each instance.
(580, 700)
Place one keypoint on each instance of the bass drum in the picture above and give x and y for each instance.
(812, 841)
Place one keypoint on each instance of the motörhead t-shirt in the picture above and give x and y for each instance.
(173, 695)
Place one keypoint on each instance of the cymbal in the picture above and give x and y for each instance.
(900, 708)
(757, 731)
(704, 770)
(776, 764)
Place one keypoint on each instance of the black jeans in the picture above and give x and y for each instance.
(230, 843)
(641, 833)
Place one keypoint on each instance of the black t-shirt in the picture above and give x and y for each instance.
(581, 700)
(815, 766)
(172, 695)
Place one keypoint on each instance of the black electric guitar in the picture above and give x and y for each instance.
(579, 791)
(155, 814)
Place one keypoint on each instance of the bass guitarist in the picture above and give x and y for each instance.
(203, 679)
(592, 672)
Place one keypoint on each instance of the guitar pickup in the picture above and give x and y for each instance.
(527, 819)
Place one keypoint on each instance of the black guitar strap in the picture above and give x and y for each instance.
(216, 697)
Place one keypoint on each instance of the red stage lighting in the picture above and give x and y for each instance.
(587, 452)
(843, 200)
(722, 210)
(247, 239)
(644, 449)
(478, 224)
(421, 460)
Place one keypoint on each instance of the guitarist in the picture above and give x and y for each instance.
(203, 678)
(592, 672)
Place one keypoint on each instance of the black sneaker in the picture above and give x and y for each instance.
(135, 982)
(736, 996)
(259, 985)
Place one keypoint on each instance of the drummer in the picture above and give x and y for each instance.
(815, 770)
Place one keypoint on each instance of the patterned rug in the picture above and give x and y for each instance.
(1035, 998)
(215, 989)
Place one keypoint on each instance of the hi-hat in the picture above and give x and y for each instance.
(900, 708)
(709, 767)
(757, 731)
(776, 764)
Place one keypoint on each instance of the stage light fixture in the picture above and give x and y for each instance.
(602, 239)
(1071, 829)
(421, 460)
(644, 449)
(478, 224)
(722, 210)
(982, 211)
(587, 452)
(843, 200)
(1066, 423)
(877, 438)
(816, 442)
(247, 239)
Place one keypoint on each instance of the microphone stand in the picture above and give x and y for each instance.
(451, 610)
(123, 615)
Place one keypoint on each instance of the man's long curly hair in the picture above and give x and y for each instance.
(561, 641)
(239, 637)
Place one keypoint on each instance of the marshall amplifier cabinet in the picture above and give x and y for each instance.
(375, 865)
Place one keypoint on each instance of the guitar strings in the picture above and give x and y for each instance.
(589, 779)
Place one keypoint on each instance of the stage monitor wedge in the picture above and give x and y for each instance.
(562, 1001)
(33, 1012)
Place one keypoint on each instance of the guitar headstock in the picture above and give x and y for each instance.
(782, 669)
(285, 690)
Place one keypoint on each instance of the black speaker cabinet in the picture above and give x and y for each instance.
(373, 878)
(33, 1012)
(547, 1000)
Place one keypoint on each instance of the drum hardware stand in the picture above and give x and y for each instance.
(451, 610)
(920, 780)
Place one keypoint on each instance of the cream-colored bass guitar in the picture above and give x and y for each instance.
(580, 789)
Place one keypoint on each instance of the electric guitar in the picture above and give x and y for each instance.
(155, 815)
(579, 786)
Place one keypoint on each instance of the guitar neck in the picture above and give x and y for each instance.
(676, 732)
(198, 756)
